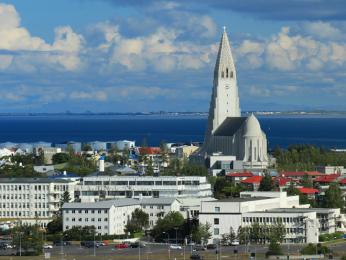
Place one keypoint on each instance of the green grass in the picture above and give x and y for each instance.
(60, 166)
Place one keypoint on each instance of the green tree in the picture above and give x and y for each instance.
(333, 197)
(86, 147)
(312, 249)
(139, 221)
(29, 237)
(70, 150)
(244, 235)
(150, 169)
(60, 158)
(274, 248)
(173, 220)
(201, 233)
(229, 238)
(266, 183)
(306, 181)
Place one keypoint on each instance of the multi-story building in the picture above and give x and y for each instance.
(106, 217)
(111, 216)
(32, 199)
(158, 208)
(112, 187)
(302, 224)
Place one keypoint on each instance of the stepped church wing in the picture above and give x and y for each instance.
(228, 133)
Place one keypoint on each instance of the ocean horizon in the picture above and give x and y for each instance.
(328, 131)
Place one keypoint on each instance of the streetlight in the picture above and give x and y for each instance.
(169, 251)
(176, 235)
(94, 242)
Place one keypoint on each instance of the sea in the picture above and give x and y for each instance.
(326, 131)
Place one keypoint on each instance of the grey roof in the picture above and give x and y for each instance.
(298, 210)
(33, 180)
(240, 199)
(105, 204)
(125, 170)
(230, 126)
(154, 201)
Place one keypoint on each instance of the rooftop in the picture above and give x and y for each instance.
(240, 199)
(33, 180)
(106, 204)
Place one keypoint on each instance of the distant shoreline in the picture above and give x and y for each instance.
(181, 114)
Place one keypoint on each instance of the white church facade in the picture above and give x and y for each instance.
(228, 133)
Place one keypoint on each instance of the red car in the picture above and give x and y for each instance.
(122, 245)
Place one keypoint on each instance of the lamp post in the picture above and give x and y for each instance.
(169, 251)
(176, 235)
(94, 243)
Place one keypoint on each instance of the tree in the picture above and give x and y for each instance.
(274, 248)
(229, 238)
(266, 183)
(138, 222)
(244, 235)
(173, 220)
(60, 158)
(55, 226)
(86, 147)
(312, 249)
(201, 233)
(29, 238)
(65, 198)
(333, 197)
(306, 181)
(292, 190)
(150, 169)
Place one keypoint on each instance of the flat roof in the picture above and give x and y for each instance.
(105, 204)
(295, 210)
(33, 180)
(240, 199)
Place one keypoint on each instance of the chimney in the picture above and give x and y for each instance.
(101, 164)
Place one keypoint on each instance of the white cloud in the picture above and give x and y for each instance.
(273, 91)
(322, 30)
(32, 51)
(292, 52)
(90, 95)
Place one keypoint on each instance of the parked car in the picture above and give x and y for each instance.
(137, 244)
(121, 245)
(46, 246)
(211, 246)
(235, 243)
(89, 244)
(196, 257)
(175, 247)
(199, 248)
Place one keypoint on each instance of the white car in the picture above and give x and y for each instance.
(46, 246)
(175, 247)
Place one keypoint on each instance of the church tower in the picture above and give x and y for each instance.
(225, 100)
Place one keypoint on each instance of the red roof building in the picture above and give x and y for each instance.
(308, 191)
(327, 178)
(282, 181)
(253, 180)
(343, 182)
(239, 174)
(149, 150)
(301, 174)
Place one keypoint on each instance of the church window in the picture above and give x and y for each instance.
(226, 72)
(222, 74)
(231, 74)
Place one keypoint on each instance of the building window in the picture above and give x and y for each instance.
(216, 221)
(216, 231)
(217, 209)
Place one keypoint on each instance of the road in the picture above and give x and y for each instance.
(163, 252)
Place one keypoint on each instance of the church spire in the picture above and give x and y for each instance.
(224, 60)
(225, 100)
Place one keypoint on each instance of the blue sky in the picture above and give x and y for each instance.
(152, 55)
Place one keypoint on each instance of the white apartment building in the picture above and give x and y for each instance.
(158, 208)
(111, 187)
(111, 216)
(302, 224)
(31, 199)
(107, 217)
